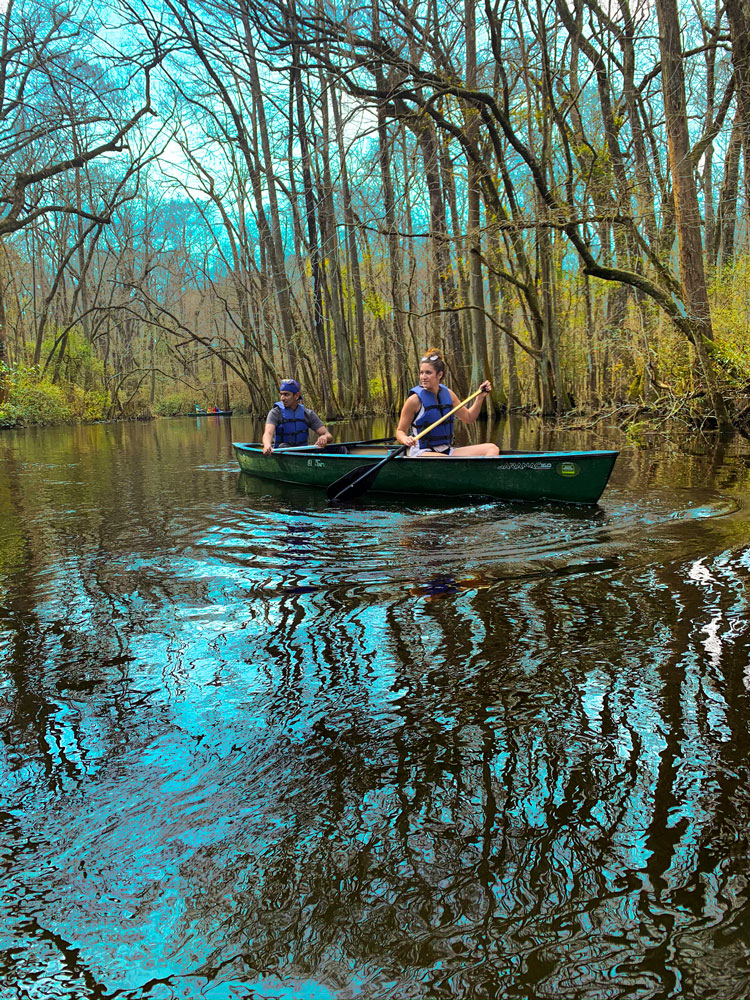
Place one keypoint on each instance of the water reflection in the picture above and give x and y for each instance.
(256, 746)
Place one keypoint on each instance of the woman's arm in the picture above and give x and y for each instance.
(408, 412)
(468, 414)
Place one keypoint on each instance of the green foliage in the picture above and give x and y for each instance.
(376, 390)
(730, 314)
(732, 362)
(137, 408)
(91, 405)
(175, 404)
(635, 389)
(79, 366)
(375, 304)
(637, 433)
(32, 400)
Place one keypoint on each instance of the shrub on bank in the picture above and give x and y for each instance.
(31, 399)
(175, 405)
(89, 405)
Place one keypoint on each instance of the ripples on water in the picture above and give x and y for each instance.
(255, 746)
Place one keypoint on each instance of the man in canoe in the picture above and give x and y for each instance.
(289, 421)
(426, 403)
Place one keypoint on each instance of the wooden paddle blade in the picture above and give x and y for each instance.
(353, 484)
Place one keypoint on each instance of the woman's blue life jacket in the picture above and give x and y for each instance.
(433, 409)
(293, 429)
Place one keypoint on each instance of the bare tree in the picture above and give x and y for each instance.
(59, 112)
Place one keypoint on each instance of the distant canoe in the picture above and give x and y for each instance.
(564, 476)
(213, 413)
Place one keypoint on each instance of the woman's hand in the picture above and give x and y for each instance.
(406, 439)
(486, 387)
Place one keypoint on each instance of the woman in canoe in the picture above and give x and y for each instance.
(426, 403)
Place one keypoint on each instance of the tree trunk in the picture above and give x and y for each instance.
(722, 250)
(514, 384)
(687, 209)
(460, 373)
(738, 15)
(312, 234)
(332, 263)
(276, 248)
(355, 277)
(440, 244)
(479, 358)
(4, 387)
(591, 367)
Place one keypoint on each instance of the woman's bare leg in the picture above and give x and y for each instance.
(485, 450)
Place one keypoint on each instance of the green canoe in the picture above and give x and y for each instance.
(566, 476)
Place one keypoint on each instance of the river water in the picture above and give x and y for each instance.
(256, 746)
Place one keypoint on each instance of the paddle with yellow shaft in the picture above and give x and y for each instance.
(359, 481)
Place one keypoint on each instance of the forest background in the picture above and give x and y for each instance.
(197, 198)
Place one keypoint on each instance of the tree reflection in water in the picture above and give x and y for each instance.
(514, 821)
(258, 748)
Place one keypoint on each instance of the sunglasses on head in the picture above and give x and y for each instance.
(431, 357)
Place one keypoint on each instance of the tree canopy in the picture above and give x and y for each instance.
(211, 195)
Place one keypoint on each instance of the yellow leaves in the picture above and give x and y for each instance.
(376, 305)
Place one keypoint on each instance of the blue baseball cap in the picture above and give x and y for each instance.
(290, 385)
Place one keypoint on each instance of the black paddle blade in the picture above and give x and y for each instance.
(359, 481)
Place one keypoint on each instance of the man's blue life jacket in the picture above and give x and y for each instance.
(293, 428)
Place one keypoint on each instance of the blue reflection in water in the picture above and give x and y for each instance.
(256, 746)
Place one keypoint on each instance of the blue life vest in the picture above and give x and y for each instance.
(293, 428)
(433, 409)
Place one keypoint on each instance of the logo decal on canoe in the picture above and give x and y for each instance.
(523, 465)
(316, 463)
(568, 469)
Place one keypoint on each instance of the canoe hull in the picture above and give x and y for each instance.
(567, 477)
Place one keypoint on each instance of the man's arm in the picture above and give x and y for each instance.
(324, 436)
(318, 427)
(269, 433)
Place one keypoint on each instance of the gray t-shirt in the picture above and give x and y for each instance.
(312, 419)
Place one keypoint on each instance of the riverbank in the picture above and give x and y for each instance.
(31, 401)
(641, 425)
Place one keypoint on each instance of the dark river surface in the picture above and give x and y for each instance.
(255, 746)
